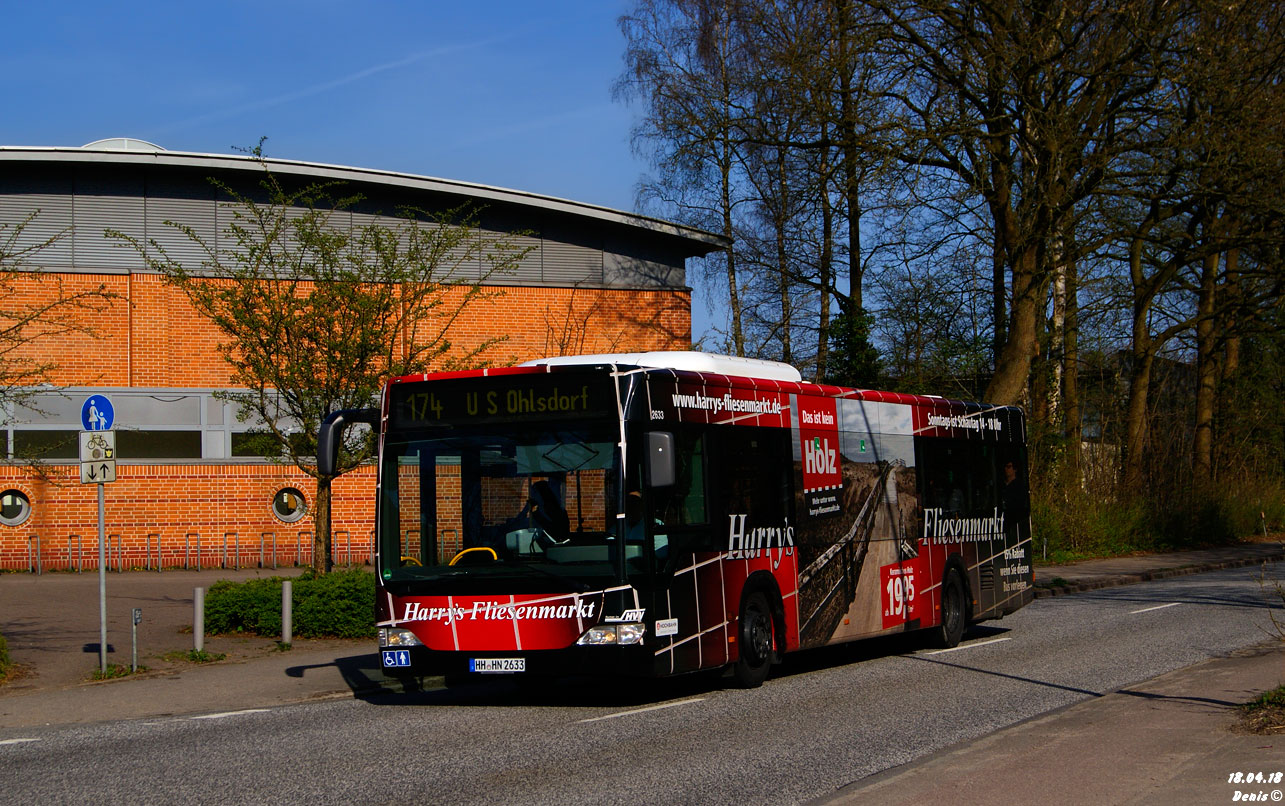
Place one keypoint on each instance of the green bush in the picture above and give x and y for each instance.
(1078, 524)
(253, 606)
(337, 605)
(4, 656)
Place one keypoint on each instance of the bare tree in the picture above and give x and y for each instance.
(316, 313)
(36, 309)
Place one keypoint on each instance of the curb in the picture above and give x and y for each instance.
(1045, 591)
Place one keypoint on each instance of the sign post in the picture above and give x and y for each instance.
(98, 466)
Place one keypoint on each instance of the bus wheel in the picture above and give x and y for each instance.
(756, 641)
(951, 629)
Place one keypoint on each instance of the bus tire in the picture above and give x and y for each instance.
(953, 612)
(756, 637)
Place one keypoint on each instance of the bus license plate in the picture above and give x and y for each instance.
(497, 665)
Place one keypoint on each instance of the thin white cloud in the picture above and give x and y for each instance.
(318, 89)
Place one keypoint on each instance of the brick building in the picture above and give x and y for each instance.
(594, 280)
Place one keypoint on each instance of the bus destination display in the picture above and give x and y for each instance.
(503, 399)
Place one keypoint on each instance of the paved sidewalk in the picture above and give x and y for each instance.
(1077, 577)
(52, 625)
(1172, 739)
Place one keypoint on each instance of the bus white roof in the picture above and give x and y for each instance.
(687, 360)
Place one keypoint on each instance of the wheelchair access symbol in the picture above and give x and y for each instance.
(398, 657)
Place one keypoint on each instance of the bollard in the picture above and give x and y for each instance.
(287, 611)
(36, 539)
(147, 547)
(136, 617)
(187, 540)
(334, 545)
(198, 620)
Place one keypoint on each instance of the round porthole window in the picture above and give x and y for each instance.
(289, 504)
(15, 507)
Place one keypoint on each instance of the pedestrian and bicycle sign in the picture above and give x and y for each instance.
(97, 441)
(97, 413)
(97, 457)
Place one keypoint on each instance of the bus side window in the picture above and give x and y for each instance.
(683, 503)
(755, 467)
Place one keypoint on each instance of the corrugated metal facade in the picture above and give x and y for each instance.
(74, 203)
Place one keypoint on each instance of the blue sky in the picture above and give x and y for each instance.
(507, 93)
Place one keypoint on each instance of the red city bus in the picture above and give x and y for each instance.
(661, 513)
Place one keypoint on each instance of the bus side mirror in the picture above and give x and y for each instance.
(330, 435)
(660, 459)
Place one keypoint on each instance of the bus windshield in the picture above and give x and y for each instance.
(526, 505)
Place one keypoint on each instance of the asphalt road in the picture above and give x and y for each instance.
(824, 720)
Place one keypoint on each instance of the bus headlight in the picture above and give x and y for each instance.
(613, 634)
(395, 638)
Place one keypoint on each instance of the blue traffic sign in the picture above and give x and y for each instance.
(395, 657)
(97, 414)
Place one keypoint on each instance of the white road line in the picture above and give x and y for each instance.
(1157, 607)
(967, 646)
(643, 710)
(231, 713)
(17, 741)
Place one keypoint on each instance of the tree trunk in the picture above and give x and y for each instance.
(1014, 366)
(1206, 372)
(321, 562)
(1071, 380)
(1231, 357)
(825, 271)
(1057, 335)
(729, 232)
(783, 257)
(1136, 420)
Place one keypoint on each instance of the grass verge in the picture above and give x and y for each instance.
(1265, 713)
(114, 671)
(193, 656)
(6, 665)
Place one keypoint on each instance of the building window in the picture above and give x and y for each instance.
(249, 444)
(289, 504)
(14, 507)
(47, 445)
(158, 444)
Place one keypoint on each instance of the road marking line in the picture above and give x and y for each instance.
(643, 710)
(967, 646)
(17, 741)
(231, 713)
(1157, 607)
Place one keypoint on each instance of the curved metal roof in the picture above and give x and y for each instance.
(112, 152)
